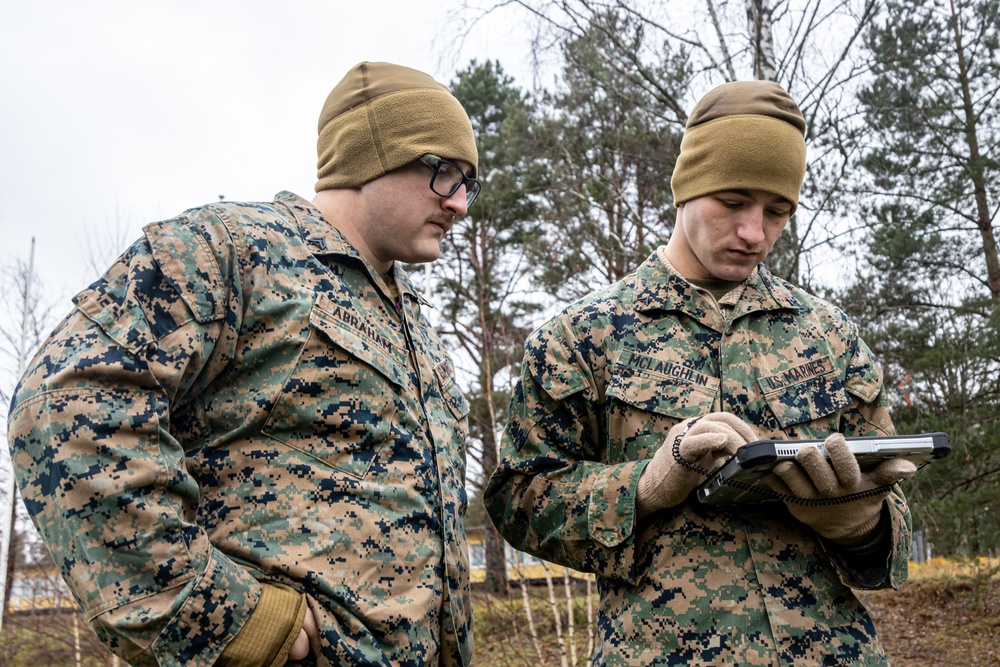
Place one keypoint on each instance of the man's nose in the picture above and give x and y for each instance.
(751, 227)
(455, 204)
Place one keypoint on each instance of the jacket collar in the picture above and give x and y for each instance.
(659, 287)
(325, 240)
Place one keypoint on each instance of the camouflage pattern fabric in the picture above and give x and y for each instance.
(601, 385)
(239, 400)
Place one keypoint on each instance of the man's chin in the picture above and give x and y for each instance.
(422, 256)
(734, 273)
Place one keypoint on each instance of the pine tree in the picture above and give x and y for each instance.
(478, 285)
(611, 149)
(930, 293)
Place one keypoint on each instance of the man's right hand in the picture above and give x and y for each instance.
(707, 443)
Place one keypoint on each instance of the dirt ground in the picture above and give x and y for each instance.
(939, 622)
(946, 615)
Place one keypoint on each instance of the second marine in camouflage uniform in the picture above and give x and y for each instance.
(244, 409)
(601, 385)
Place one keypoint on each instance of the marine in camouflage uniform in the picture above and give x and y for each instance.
(604, 383)
(246, 423)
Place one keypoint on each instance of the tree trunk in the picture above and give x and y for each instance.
(976, 171)
(496, 563)
(759, 15)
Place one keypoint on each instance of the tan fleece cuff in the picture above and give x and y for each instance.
(392, 130)
(647, 496)
(862, 536)
(268, 635)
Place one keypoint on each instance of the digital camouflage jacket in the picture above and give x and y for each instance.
(603, 382)
(241, 400)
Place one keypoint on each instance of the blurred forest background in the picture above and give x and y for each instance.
(897, 222)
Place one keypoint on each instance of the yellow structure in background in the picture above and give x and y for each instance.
(39, 588)
(520, 566)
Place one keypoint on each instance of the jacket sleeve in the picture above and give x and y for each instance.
(885, 563)
(553, 494)
(100, 469)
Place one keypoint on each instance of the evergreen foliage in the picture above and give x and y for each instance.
(611, 147)
(479, 289)
(929, 293)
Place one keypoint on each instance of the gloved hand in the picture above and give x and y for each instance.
(813, 476)
(712, 439)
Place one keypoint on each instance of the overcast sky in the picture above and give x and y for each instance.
(116, 113)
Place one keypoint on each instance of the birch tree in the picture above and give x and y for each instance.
(23, 321)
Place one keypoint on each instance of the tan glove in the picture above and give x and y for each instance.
(709, 441)
(813, 476)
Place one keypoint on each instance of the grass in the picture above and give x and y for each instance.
(503, 636)
(50, 639)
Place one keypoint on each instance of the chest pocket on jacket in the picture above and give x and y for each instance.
(452, 394)
(810, 392)
(339, 404)
(646, 397)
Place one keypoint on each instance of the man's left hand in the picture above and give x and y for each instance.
(308, 639)
(814, 476)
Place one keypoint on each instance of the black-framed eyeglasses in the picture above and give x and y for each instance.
(448, 177)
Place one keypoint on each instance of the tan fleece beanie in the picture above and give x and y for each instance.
(382, 116)
(745, 135)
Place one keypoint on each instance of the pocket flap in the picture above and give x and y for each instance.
(864, 375)
(190, 267)
(551, 364)
(661, 386)
(345, 329)
(804, 393)
(450, 391)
